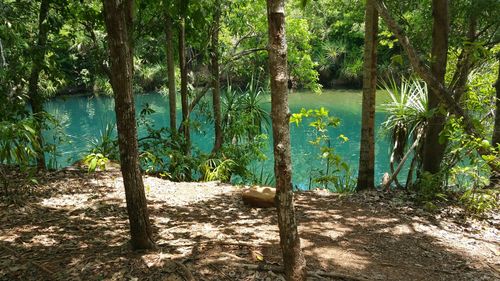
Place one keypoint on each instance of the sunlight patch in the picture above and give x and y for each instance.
(66, 200)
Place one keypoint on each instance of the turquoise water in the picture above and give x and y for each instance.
(84, 117)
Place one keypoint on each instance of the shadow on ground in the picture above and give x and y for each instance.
(79, 231)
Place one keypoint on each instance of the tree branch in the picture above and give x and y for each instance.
(423, 70)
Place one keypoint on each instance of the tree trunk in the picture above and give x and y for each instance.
(36, 100)
(171, 73)
(2, 54)
(184, 90)
(465, 62)
(433, 149)
(495, 175)
(367, 145)
(215, 79)
(119, 19)
(293, 259)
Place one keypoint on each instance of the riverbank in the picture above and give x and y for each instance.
(73, 226)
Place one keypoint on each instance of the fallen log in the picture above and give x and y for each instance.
(259, 196)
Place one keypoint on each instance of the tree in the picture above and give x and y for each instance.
(171, 72)
(214, 55)
(293, 259)
(184, 89)
(433, 149)
(367, 144)
(118, 15)
(35, 98)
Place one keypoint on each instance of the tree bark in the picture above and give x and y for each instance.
(366, 176)
(214, 54)
(433, 149)
(171, 73)
(495, 175)
(36, 100)
(118, 15)
(184, 90)
(293, 258)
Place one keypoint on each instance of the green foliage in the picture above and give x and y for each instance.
(337, 175)
(18, 142)
(217, 169)
(95, 161)
(262, 178)
(102, 149)
(242, 113)
(106, 143)
(479, 201)
(102, 86)
(466, 170)
(56, 135)
(149, 77)
(430, 187)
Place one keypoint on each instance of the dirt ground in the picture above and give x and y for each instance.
(73, 226)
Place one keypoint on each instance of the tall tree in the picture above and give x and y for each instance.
(214, 54)
(433, 149)
(171, 72)
(184, 89)
(35, 98)
(118, 16)
(293, 258)
(367, 145)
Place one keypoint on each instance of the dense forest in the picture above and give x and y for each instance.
(225, 72)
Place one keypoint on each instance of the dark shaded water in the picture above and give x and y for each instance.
(84, 117)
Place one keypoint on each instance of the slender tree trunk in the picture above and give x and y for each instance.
(118, 16)
(36, 100)
(171, 73)
(366, 176)
(433, 148)
(495, 175)
(184, 90)
(293, 259)
(2, 55)
(465, 63)
(215, 79)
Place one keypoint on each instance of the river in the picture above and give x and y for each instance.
(84, 117)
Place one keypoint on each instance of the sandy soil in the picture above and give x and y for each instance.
(73, 226)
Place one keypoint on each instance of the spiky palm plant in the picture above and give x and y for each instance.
(407, 119)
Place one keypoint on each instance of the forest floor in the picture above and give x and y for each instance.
(74, 226)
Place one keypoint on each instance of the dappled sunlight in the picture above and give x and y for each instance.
(62, 201)
(208, 228)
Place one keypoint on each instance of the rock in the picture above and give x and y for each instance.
(259, 197)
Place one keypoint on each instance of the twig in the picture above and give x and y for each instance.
(223, 243)
(279, 269)
(36, 264)
(186, 273)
